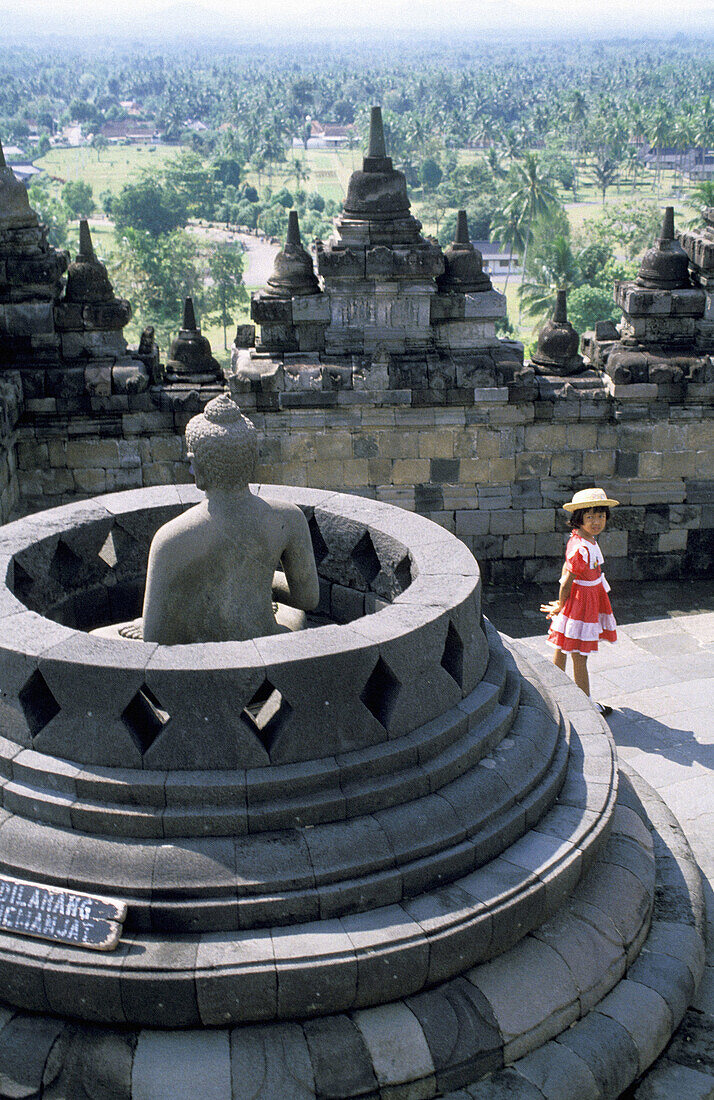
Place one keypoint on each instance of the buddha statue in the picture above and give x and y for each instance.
(218, 571)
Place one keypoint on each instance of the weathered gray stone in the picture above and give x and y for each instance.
(398, 1048)
(271, 1062)
(532, 994)
(339, 1059)
(182, 1064)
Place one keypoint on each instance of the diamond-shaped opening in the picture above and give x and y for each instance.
(403, 572)
(65, 566)
(38, 703)
(379, 694)
(145, 718)
(21, 581)
(108, 552)
(319, 546)
(266, 713)
(365, 558)
(453, 656)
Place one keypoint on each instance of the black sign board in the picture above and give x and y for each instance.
(52, 913)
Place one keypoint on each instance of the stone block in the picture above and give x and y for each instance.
(98, 380)
(559, 1073)
(271, 311)
(607, 1049)
(532, 994)
(392, 953)
(690, 302)
(85, 1060)
(113, 315)
(183, 1065)
(26, 318)
(519, 546)
(539, 520)
(272, 1061)
(340, 1061)
(26, 1043)
(247, 984)
(489, 303)
(398, 1048)
(330, 979)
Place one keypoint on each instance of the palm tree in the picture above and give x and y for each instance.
(301, 170)
(555, 268)
(700, 198)
(659, 130)
(531, 196)
(605, 173)
(506, 228)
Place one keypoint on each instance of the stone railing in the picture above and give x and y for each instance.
(332, 689)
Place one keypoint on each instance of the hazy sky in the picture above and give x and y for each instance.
(319, 17)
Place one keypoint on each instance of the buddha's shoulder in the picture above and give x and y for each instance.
(188, 529)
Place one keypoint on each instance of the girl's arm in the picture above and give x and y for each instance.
(566, 583)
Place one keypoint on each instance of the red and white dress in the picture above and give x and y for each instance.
(586, 617)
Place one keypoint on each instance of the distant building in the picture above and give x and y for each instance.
(328, 135)
(25, 172)
(129, 129)
(497, 259)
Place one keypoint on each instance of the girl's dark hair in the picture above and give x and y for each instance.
(578, 516)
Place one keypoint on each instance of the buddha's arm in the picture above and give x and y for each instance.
(298, 586)
(158, 602)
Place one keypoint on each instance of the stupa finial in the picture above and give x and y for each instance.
(462, 228)
(86, 249)
(292, 239)
(3, 164)
(189, 316)
(377, 148)
(560, 314)
(667, 233)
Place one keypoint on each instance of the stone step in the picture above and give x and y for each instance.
(321, 965)
(331, 869)
(585, 1010)
(142, 803)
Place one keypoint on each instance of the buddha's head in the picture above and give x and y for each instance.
(222, 446)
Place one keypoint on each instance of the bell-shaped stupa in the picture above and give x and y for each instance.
(190, 358)
(557, 351)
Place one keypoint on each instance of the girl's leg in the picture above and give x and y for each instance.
(559, 659)
(580, 672)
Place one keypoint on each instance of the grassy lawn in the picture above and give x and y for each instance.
(108, 169)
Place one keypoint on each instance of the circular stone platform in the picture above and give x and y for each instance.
(385, 856)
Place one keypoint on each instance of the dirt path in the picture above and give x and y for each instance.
(259, 252)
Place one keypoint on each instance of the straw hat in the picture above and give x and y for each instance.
(590, 498)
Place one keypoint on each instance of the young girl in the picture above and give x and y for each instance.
(582, 615)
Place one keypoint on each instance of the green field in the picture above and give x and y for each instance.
(108, 169)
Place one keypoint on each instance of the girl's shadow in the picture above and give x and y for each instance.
(633, 729)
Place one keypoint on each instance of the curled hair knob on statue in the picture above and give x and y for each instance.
(222, 445)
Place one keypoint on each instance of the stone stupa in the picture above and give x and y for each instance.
(190, 358)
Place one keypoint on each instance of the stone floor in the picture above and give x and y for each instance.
(659, 677)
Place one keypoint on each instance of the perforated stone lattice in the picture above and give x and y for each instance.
(452, 659)
(380, 692)
(65, 566)
(145, 718)
(365, 558)
(319, 546)
(38, 703)
(266, 713)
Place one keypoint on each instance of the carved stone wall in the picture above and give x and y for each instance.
(494, 471)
